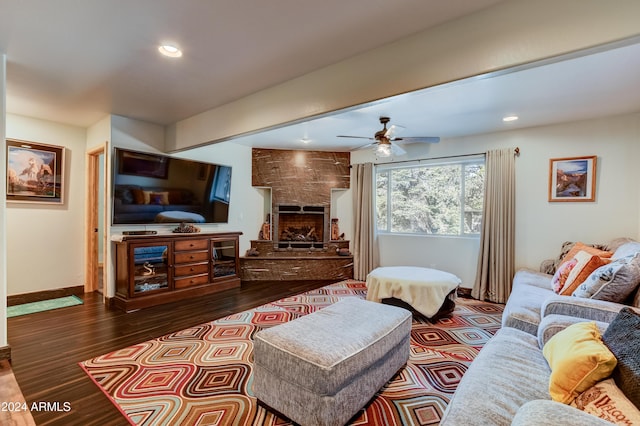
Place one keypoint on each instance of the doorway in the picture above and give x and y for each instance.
(96, 226)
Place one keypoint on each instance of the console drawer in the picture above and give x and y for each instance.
(191, 245)
(191, 257)
(189, 281)
(184, 270)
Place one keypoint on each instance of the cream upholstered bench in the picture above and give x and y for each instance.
(322, 368)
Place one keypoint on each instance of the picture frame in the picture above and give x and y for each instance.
(35, 172)
(572, 179)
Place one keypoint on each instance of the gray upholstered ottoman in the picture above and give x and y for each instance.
(321, 369)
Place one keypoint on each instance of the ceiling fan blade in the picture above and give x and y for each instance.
(366, 145)
(397, 149)
(419, 139)
(355, 137)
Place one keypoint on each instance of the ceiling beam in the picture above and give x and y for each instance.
(509, 34)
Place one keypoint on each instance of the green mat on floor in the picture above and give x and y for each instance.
(43, 305)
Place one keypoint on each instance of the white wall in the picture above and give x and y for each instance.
(541, 227)
(45, 242)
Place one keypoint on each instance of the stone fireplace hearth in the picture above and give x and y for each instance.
(300, 247)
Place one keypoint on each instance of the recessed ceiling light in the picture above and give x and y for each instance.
(170, 50)
(510, 118)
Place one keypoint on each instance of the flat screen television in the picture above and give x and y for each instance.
(156, 189)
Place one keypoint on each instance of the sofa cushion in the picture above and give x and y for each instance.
(614, 282)
(578, 359)
(606, 401)
(509, 371)
(529, 290)
(585, 264)
(541, 412)
(623, 340)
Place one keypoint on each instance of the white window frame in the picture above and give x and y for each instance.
(382, 168)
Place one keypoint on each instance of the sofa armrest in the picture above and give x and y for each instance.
(549, 413)
(552, 324)
(589, 309)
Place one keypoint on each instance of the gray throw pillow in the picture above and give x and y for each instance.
(622, 337)
(627, 249)
(613, 282)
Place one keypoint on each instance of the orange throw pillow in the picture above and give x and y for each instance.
(586, 264)
(578, 247)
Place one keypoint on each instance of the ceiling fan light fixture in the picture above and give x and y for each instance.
(383, 150)
(170, 51)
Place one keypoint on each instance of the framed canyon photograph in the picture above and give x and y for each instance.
(35, 172)
(572, 179)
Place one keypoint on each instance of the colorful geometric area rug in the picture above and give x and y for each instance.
(43, 305)
(203, 375)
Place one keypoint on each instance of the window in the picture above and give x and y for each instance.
(438, 199)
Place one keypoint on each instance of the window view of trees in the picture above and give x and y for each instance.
(435, 199)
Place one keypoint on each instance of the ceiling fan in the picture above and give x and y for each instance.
(385, 143)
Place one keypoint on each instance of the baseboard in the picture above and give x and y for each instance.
(5, 353)
(37, 296)
(464, 292)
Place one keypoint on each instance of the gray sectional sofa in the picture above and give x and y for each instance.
(508, 382)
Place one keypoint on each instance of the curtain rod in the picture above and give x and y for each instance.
(516, 152)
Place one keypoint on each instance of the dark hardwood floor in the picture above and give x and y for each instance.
(46, 347)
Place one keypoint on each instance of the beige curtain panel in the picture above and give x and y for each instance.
(365, 257)
(497, 241)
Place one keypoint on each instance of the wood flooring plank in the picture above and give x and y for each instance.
(46, 347)
(15, 410)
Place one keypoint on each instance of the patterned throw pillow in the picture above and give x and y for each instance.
(606, 401)
(622, 337)
(585, 264)
(613, 282)
(561, 275)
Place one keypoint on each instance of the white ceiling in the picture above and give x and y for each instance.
(585, 86)
(74, 62)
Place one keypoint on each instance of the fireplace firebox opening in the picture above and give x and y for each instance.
(301, 226)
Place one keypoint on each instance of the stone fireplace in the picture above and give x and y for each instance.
(300, 227)
(297, 244)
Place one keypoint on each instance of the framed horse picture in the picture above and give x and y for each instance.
(35, 172)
